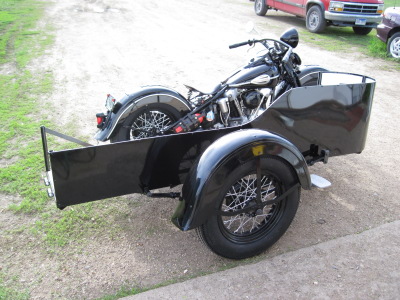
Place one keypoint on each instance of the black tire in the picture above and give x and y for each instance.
(393, 45)
(146, 122)
(362, 30)
(248, 234)
(260, 7)
(315, 20)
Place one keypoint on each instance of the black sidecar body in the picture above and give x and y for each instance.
(303, 126)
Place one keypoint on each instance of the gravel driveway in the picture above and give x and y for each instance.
(114, 46)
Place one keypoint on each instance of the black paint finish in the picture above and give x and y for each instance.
(330, 117)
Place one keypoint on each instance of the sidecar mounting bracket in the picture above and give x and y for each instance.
(161, 195)
(324, 156)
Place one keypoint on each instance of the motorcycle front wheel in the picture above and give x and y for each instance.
(147, 121)
(243, 235)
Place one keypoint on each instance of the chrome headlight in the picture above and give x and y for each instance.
(336, 6)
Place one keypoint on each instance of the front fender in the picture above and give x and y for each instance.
(207, 176)
(144, 96)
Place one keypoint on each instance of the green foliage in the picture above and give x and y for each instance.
(19, 41)
(377, 48)
(7, 293)
(390, 3)
(343, 39)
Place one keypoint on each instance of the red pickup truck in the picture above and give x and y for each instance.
(362, 15)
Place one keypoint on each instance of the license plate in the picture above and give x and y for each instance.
(361, 21)
(110, 102)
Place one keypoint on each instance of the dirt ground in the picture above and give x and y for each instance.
(114, 46)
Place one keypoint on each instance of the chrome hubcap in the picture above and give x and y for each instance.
(395, 48)
(313, 21)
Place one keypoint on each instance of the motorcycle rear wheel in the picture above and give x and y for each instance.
(247, 234)
(147, 121)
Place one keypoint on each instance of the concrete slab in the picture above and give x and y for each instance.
(358, 266)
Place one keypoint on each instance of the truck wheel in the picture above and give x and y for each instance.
(315, 20)
(393, 45)
(146, 122)
(246, 234)
(362, 30)
(260, 7)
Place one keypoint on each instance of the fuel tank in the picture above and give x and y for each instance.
(243, 78)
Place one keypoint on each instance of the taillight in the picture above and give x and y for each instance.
(100, 119)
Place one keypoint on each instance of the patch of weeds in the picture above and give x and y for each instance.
(19, 137)
(338, 39)
(7, 292)
(19, 40)
(59, 229)
(377, 48)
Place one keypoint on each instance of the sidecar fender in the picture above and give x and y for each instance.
(144, 96)
(206, 177)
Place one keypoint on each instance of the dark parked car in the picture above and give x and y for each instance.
(389, 30)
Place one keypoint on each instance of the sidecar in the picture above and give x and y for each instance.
(241, 185)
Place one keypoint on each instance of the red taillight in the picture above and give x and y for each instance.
(178, 129)
(200, 118)
(100, 119)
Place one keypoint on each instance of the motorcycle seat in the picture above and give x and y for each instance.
(213, 91)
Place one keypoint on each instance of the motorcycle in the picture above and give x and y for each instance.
(239, 99)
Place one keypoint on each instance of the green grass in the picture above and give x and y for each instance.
(23, 107)
(21, 93)
(8, 293)
(389, 3)
(343, 39)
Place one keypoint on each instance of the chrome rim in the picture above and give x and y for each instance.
(258, 5)
(313, 21)
(243, 194)
(395, 48)
(149, 123)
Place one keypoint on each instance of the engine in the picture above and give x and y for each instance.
(251, 99)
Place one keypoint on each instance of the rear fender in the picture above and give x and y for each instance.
(130, 103)
(309, 73)
(206, 177)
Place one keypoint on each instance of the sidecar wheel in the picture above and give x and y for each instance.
(247, 234)
(146, 122)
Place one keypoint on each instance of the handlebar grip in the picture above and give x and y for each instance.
(241, 44)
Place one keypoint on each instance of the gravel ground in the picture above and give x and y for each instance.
(114, 46)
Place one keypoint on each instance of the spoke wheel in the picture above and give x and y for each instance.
(241, 229)
(243, 194)
(147, 121)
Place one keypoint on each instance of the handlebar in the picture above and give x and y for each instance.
(249, 42)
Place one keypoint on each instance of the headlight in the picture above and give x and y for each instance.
(336, 6)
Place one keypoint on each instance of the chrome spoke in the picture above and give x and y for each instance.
(149, 124)
(239, 197)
